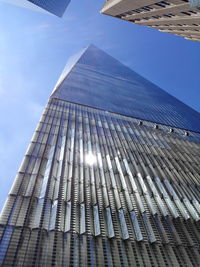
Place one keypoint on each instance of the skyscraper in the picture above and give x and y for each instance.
(53, 6)
(56, 7)
(111, 176)
(179, 17)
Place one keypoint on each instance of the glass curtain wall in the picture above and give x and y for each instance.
(53, 6)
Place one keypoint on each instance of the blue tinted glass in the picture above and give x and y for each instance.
(53, 6)
(195, 3)
(100, 81)
(5, 241)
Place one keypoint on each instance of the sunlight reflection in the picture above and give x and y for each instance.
(90, 159)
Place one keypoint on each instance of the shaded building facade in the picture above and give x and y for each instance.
(179, 17)
(105, 187)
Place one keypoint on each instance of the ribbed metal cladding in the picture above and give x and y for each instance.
(100, 189)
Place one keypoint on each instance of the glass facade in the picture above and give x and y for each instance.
(100, 81)
(97, 188)
(56, 7)
(195, 3)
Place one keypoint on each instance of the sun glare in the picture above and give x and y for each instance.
(90, 159)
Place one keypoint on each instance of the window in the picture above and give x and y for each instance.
(163, 4)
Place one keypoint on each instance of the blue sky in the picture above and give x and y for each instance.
(34, 48)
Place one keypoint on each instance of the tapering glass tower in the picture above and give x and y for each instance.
(111, 176)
